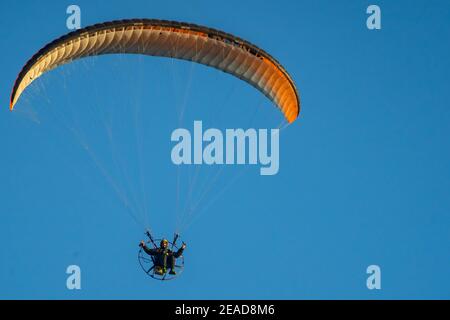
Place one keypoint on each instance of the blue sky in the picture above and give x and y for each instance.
(364, 172)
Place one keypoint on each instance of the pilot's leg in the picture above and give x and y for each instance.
(171, 264)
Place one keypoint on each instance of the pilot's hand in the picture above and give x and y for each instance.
(142, 243)
(183, 246)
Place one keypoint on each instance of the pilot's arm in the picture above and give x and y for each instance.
(179, 251)
(147, 250)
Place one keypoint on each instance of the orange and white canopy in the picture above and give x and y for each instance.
(174, 40)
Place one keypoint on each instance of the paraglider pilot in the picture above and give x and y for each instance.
(163, 257)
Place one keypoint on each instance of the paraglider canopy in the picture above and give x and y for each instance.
(171, 39)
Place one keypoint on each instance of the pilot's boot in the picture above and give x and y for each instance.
(159, 270)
